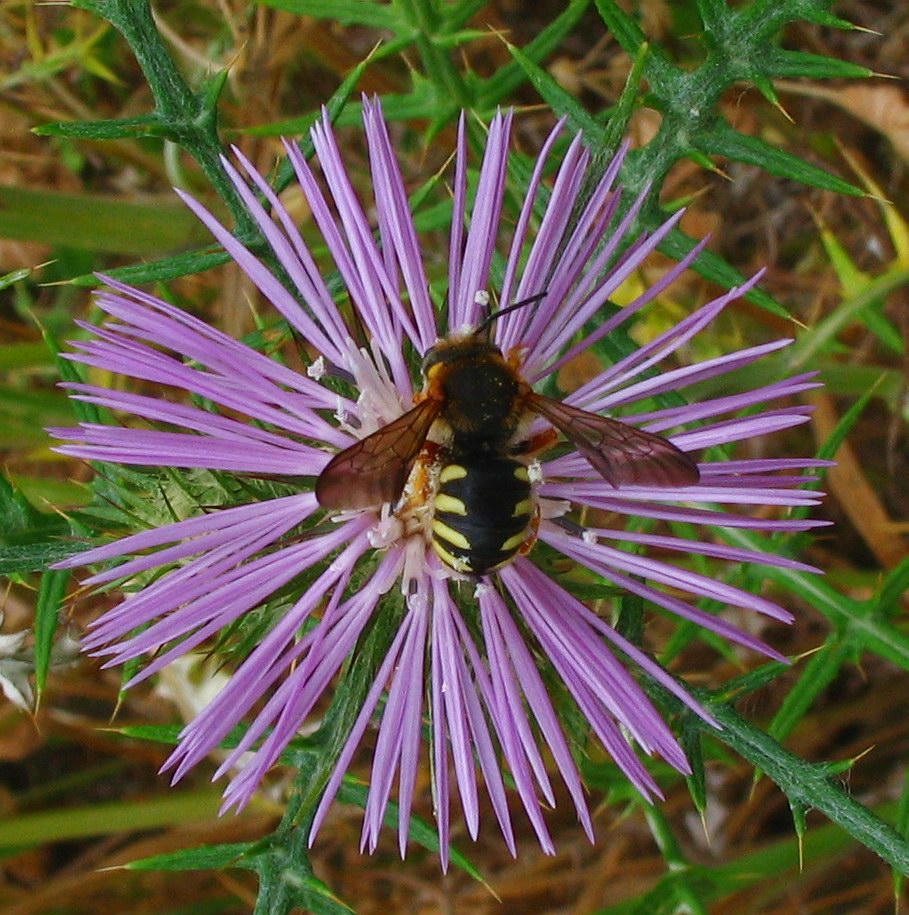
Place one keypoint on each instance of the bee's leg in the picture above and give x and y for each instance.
(532, 534)
(419, 489)
(536, 444)
(431, 452)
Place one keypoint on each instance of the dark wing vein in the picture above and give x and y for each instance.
(374, 470)
(621, 454)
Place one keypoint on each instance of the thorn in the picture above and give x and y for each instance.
(756, 777)
(807, 654)
(703, 816)
(229, 65)
(121, 695)
(779, 107)
(444, 166)
(488, 886)
(753, 791)
(373, 50)
(61, 512)
(872, 191)
(499, 33)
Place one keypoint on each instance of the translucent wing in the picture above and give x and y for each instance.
(621, 454)
(374, 470)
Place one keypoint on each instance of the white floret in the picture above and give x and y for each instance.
(317, 370)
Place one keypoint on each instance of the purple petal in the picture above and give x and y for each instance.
(458, 213)
(595, 680)
(700, 515)
(453, 673)
(226, 599)
(671, 380)
(440, 784)
(700, 548)
(322, 650)
(484, 226)
(400, 721)
(658, 420)
(510, 328)
(577, 311)
(265, 282)
(496, 618)
(234, 384)
(300, 265)
(359, 726)
(625, 313)
(380, 296)
(305, 503)
(536, 274)
(586, 237)
(581, 619)
(171, 449)
(162, 323)
(600, 556)
(399, 237)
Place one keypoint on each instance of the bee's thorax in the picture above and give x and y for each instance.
(480, 392)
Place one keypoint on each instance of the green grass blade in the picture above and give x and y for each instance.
(561, 102)
(346, 12)
(507, 79)
(51, 594)
(108, 225)
(173, 809)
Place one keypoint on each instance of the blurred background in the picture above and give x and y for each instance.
(79, 801)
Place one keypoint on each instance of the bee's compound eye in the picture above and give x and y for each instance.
(433, 357)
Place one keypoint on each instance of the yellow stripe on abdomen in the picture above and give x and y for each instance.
(450, 535)
(512, 543)
(452, 472)
(450, 505)
(458, 563)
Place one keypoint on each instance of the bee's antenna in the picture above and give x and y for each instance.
(504, 311)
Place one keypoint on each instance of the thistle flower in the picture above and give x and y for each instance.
(465, 655)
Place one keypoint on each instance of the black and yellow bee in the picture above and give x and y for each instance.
(483, 507)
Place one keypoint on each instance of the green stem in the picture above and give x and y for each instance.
(424, 17)
(284, 856)
(808, 785)
(819, 673)
(188, 118)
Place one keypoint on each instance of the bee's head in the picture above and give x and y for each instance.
(474, 342)
(454, 349)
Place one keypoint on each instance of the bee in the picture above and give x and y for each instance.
(483, 512)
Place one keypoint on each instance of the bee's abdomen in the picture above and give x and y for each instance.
(483, 511)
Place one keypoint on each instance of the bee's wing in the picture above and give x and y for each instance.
(621, 454)
(374, 470)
